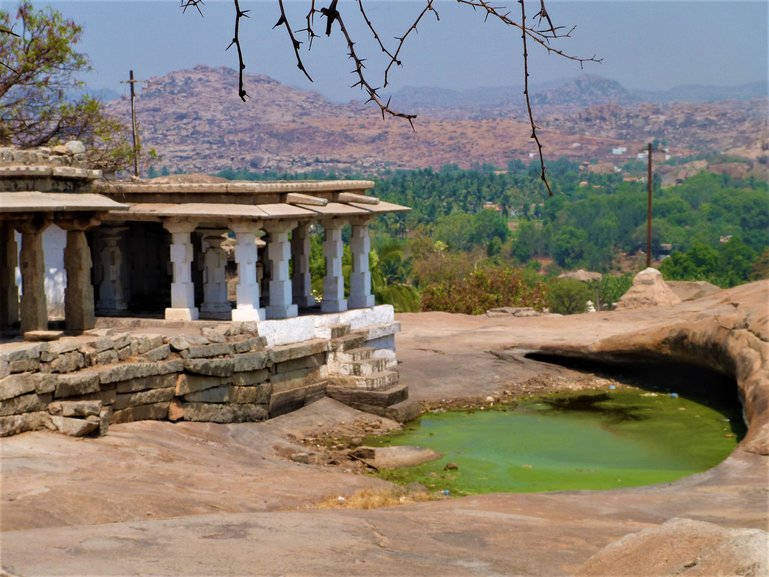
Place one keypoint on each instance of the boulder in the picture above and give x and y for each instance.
(649, 290)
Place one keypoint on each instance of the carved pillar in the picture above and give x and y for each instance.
(360, 277)
(109, 270)
(34, 311)
(182, 288)
(301, 279)
(79, 314)
(215, 304)
(333, 283)
(279, 249)
(9, 292)
(246, 257)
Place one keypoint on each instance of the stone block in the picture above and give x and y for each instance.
(362, 398)
(154, 412)
(207, 351)
(403, 412)
(5, 368)
(146, 343)
(222, 413)
(106, 395)
(16, 385)
(215, 395)
(68, 362)
(60, 347)
(293, 399)
(249, 378)
(186, 384)
(79, 383)
(121, 340)
(283, 353)
(102, 344)
(108, 357)
(247, 344)
(44, 382)
(250, 361)
(148, 397)
(158, 353)
(15, 424)
(105, 416)
(124, 353)
(295, 379)
(74, 427)
(28, 403)
(255, 394)
(24, 365)
(79, 409)
(311, 362)
(128, 371)
(209, 367)
(178, 343)
(145, 383)
(214, 335)
(175, 410)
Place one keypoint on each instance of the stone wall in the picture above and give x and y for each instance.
(224, 373)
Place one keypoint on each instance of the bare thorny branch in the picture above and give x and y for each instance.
(543, 33)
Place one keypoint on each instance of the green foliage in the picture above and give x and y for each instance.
(727, 265)
(568, 296)
(39, 67)
(484, 289)
(611, 288)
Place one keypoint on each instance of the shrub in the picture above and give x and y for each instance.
(568, 296)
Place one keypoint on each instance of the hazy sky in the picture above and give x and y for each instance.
(644, 43)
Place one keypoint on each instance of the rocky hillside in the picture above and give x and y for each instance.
(197, 123)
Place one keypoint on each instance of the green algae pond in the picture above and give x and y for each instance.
(596, 440)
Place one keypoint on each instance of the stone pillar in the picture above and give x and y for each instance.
(79, 312)
(360, 277)
(109, 270)
(215, 304)
(333, 283)
(9, 292)
(279, 251)
(34, 310)
(182, 289)
(301, 279)
(247, 308)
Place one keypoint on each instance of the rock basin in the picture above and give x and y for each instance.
(157, 498)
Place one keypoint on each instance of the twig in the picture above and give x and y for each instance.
(543, 175)
(413, 28)
(283, 21)
(236, 41)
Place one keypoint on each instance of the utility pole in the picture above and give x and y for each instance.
(131, 83)
(649, 208)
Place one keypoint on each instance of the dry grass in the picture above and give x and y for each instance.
(377, 498)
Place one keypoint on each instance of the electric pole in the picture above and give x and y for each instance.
(649, 208)
(131, 83)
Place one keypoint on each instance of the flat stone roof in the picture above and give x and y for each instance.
(233, 187)
(36, 201)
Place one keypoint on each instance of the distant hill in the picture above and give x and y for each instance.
(197, 123)
(584, 90)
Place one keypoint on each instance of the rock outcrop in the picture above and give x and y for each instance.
(649, 289)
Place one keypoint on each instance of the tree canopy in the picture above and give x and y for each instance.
(39, 67)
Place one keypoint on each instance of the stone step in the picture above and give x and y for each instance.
(368, 367)
(348, 342)
(361, 354)
(374, 382)
(340, 330)
(369, 401)
(403, 412)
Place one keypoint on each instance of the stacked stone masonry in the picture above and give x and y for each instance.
(227, 373)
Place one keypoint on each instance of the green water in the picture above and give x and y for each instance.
(603, 440)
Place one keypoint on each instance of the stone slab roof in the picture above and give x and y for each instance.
(36, 201)
(233, 187)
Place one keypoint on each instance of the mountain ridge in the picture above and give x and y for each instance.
(197, 123)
